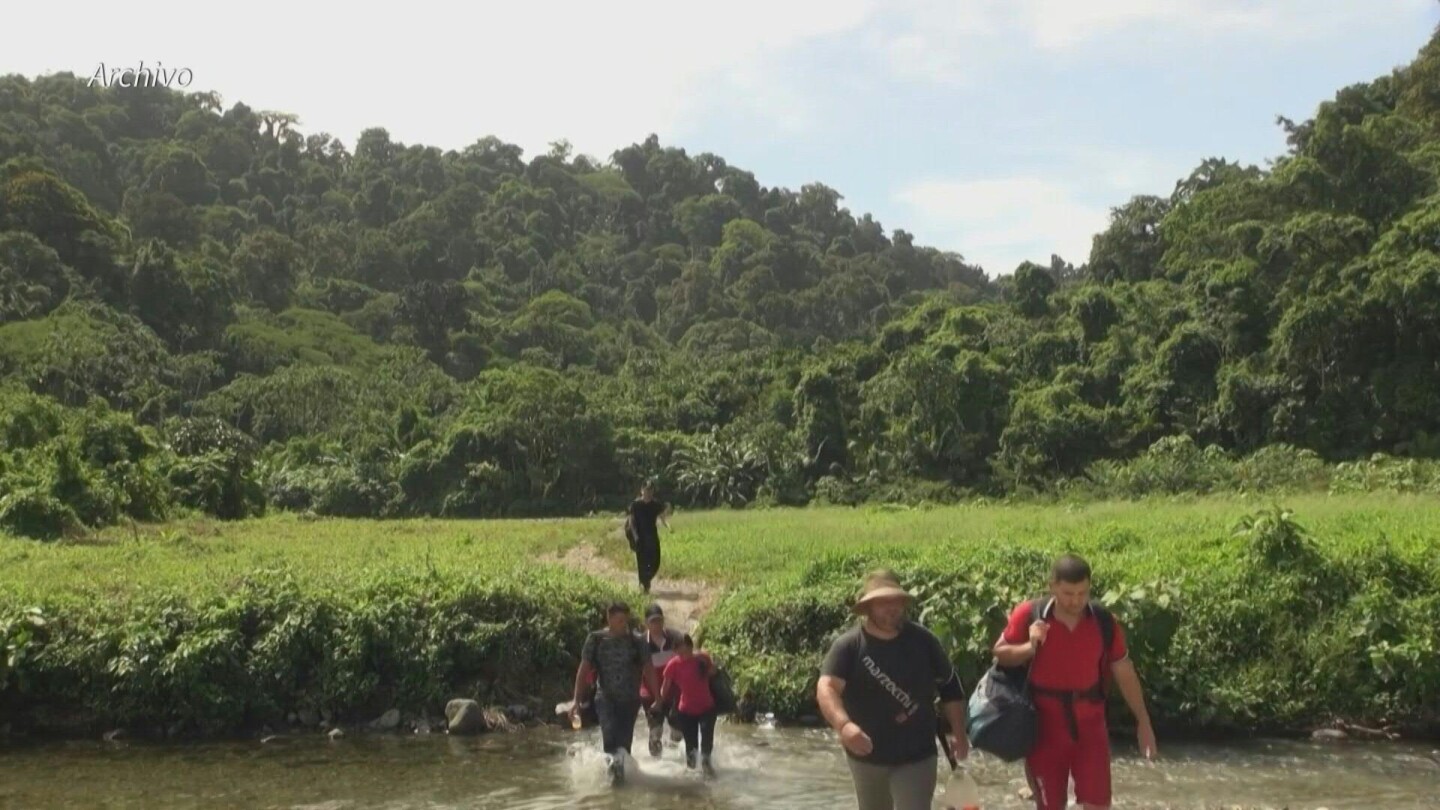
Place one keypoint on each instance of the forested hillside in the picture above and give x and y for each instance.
(204, 307)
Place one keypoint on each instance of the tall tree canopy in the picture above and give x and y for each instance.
(399, 329)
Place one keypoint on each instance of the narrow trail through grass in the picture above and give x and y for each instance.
(685, 601)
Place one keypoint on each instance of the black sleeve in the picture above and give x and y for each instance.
(840, 660)
(940, 665)
(588, 652)
(946, 678)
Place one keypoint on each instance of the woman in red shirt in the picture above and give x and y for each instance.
(687, 677)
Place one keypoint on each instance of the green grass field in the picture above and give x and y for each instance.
(728, 548)
(221, 625)
(1150, 537)
(200, 557)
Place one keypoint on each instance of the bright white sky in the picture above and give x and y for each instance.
(1004, 130)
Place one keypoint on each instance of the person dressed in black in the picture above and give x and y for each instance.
(644, 534)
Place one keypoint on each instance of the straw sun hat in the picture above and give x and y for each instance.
(880, 585)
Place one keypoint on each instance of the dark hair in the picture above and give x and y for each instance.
(687, 641)
(617, 607)
(1070, 569)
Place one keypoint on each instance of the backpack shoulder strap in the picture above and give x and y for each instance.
(1107, 638)
(1107, 625)
(1037, 613)
(597, 636)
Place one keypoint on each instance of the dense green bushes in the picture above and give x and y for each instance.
(64, 470)
(1276, 633)
(1177, 465)
(203, 661)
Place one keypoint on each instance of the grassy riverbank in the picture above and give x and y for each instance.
(1241, 617)
(217, 628)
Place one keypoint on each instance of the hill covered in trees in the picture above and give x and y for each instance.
(203, 307)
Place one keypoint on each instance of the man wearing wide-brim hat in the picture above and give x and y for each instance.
(878, 687)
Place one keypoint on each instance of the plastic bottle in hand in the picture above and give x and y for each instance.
(961, 792)
(575, 721)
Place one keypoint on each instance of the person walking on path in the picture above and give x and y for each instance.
(878, 686)
(643, 533)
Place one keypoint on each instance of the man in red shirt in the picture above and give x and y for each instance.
(1070, 671)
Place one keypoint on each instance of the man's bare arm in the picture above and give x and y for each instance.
(1129, 682)
(1013, 655)
(955, 714)
(582, 679)
(827, 694)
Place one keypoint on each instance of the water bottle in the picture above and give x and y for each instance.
(575, 722)
(961, 792)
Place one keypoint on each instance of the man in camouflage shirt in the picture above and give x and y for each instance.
(620, 660)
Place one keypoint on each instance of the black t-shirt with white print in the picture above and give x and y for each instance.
(890, 690)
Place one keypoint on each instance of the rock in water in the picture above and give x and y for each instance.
(1328, 735)
(389, 721)
(309, 718)
(464, 717)
(336, 733)
(519, 713)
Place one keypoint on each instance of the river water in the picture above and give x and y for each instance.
(757, 767)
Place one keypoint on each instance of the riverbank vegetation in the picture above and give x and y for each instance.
(216, 627)
(209, 628)
(1243, 617)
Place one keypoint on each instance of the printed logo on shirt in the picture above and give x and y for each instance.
(889, 685)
